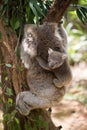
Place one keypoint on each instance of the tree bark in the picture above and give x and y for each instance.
(57, 10)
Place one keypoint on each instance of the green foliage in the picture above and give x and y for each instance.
(77, 31)
(34, 123)
(38, 123)
(77, 46)
(12, 121)
(80, 7)
(82, 13)
(17, 13)
(9, 91)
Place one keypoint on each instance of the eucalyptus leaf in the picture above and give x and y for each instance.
(79, 14)
(34, 11)
(16, 25)
(9, 91)
(17, 120)
(6, 78)
(84, 11)
(39, 9)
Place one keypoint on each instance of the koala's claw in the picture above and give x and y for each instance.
(57, 83)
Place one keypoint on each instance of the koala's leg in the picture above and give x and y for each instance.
(42, 63)
(63, 80)
(58, 83)
(27, 101)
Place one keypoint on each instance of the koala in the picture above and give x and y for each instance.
(59, 65)
(43, 51)
(54, 59)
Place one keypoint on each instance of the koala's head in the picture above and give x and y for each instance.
(55, 58)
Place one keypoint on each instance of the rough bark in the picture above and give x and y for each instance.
(57, 10)
(7, 46)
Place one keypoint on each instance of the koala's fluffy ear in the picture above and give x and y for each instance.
(29, 44)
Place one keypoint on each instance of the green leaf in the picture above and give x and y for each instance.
(6, 78)
(14, 22)
(79, 14)
(6, 117)
(10, 100)
(17, 25)
(84, 11)
(34, 11)
(8, 65)
(46, 125)
(17, 120)
(9, 91)
(39, 9)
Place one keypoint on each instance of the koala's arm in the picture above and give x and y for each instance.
(63, 34)
(42, 63)
(64, 76)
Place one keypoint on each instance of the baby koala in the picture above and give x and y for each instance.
(52, 52)
(55, 60)
(58, 64)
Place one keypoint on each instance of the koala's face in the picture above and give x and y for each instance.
(55, 58)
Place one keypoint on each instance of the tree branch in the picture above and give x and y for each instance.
(57, 10)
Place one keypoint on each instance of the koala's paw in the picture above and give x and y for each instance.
(58, 83)
(21, 105)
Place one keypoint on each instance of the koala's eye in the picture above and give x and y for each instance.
(57, 48)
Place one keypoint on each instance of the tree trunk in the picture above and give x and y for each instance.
(16, 78)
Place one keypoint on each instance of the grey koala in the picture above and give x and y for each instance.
(52, 53)
(41, 76)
